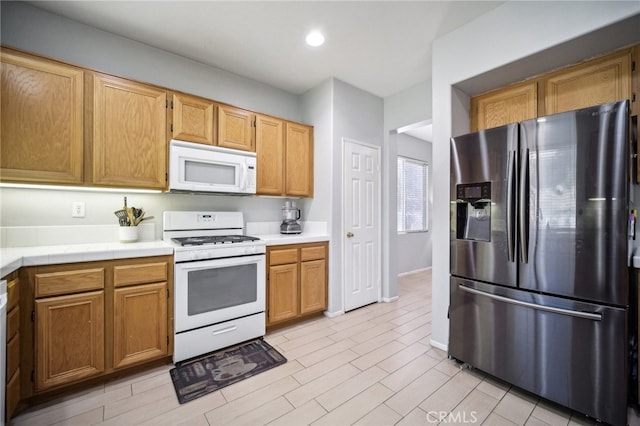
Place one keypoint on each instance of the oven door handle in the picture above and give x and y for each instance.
(199, 264)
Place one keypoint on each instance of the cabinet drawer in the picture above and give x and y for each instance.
(13, 294)
(279, 257)
(139, 274)
(13, 322)
(313, 253)
(57, 283)
(13, 355)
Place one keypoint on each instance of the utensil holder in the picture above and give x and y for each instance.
(128, 234)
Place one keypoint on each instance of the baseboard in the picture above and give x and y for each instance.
(414, 271)
(439, 345)
(390, 299)
(333, 314)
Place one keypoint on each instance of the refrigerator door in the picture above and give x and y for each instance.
(483, 196)
(574, 205)
(573, 353)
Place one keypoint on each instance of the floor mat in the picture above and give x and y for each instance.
(197, 377)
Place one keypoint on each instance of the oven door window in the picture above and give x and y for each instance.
(219, 288)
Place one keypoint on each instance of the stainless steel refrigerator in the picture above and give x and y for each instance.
(539, 275)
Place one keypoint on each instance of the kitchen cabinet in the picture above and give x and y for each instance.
(298, 160)
(69, 328)
(594, 82)
(284, 155)
(41, 135)
(235, 128)
(129, 133)
(503, 106)
(191, 119)
(296, 281)
(94, 319)
(140, 313)
(269, 155)
(12, 390)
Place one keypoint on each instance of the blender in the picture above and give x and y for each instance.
(290, 216)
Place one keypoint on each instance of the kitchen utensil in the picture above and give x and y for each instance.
(122, 217)
(130, 215)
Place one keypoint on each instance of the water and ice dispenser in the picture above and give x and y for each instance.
(473, 211)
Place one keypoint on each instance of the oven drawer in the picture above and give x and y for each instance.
(211, 338)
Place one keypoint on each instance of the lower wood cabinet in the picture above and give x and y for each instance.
(140, 323)
(12, 391)
(91, 319)
(296, 281)
(69, 343)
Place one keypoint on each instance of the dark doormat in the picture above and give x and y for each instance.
(197, 377)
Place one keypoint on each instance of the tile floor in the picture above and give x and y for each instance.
(372, 366)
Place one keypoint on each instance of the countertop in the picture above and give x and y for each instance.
(42, 250)
(13, 258)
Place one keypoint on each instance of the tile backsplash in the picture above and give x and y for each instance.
(30, 236)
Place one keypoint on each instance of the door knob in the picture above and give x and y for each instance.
(349, 234)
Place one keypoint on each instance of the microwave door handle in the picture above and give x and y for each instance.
(243, 182)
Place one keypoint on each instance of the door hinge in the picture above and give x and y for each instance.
(166, 177)
(633, 97)
(167, 293)
(633, 66)
(33, 316)
(171, 104)
(33, 375)
(166, 103)
(171, 127)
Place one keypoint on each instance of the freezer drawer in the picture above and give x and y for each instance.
(569, 352)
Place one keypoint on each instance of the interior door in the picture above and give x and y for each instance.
(361, 225)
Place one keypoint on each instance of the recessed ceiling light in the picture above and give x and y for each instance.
(314, 38)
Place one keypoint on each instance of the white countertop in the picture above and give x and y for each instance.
(13, 258)
(312, 232)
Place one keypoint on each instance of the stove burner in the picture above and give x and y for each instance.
(213, 239)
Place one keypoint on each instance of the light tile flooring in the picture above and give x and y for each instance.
(372, 366)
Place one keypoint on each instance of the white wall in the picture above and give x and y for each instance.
(471, 51)
(414, 249)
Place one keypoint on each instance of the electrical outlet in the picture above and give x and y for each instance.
(77, 209)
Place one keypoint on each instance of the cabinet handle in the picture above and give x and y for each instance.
(349, 234)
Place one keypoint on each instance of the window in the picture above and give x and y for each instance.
(412, 195)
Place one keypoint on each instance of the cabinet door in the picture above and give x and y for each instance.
(504, 106)
(235, 128)
(282, 293)
(269, 155)
(69, 343)
(298, 160)
(139, 324)
(129, 133)
(313, 286)
(596, 82)
(41, 135)
(192, 119)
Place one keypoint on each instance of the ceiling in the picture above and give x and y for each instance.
(382, 47)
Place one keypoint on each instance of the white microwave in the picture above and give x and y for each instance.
(196, 167)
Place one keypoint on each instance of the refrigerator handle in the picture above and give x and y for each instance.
(580, 314)
(523, 206)
(510, 205)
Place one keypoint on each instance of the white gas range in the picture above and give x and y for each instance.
(219, 281)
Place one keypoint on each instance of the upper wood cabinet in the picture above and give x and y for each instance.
(593, 82)
(269, 155)
(191, 119)
(41, 135)
(284, 152)
(607, 79)
(298, 160)
(129, 133)
(235, 128)
(508, 105)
